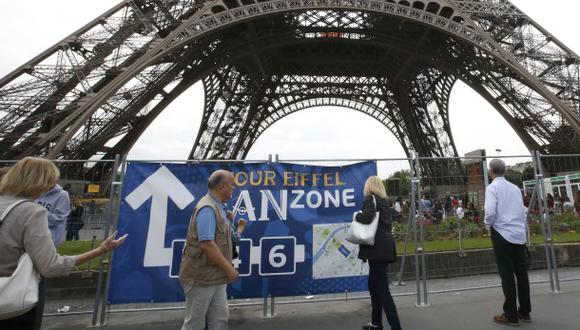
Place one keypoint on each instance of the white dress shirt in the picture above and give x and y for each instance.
(398, 207)
(459, 212)
(504, 210)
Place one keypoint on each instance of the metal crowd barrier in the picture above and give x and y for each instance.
(422, 270)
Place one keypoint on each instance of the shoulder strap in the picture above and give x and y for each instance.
(9, 208)
(374, 202)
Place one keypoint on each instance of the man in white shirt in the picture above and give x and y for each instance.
(459, 212)
(506, 220)
(568, 206)
(397, 205)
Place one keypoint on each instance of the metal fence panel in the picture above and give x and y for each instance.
(456, 244)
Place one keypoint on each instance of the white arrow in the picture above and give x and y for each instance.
(161, 186)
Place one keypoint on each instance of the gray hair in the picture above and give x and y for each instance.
(497, 167)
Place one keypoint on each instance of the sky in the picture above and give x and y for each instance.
(29, 27)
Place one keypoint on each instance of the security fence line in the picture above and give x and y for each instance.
(114, 204)
(546, 226)
(417, 217)
(420, 268)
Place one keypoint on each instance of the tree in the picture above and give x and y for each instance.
(518, 177)
(398, 184)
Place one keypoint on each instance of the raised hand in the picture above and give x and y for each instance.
(111, 243)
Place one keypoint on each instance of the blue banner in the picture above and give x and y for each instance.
(293, 244)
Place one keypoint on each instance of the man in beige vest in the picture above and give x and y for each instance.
(206, 264)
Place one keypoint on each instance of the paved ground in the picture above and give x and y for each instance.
(465, 310)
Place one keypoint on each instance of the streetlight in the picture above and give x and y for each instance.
(498, 151)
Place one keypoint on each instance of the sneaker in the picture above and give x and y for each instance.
(502, 319)
(370, 326)
(524, 317)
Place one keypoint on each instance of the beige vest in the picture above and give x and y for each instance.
(196, 268)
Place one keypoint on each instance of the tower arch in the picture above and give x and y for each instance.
(112, 77)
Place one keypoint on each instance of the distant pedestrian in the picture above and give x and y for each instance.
(426, 203)
(57, 202)
(459, 212)
(397, 206)
(464, 199)
(527, 198)
(568, 207)
(448, 206)
(75, 221)
(550, 202)
(455, 202)
(506, 220)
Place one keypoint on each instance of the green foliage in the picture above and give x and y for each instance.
(398, 184)
(483, 242)
(443, 237)
(564, 218)
(517, 177)
(449, 224)
(429, 232)
(399, 230)
(535, 229)
(514, 177)
(528, 173)
(575, 225)
(471, 229)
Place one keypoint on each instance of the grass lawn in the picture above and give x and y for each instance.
(71, 248)
(481, 243)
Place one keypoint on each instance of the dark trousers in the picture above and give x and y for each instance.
(32, 320)
(72, 231)
(512, 260)
(381, 298)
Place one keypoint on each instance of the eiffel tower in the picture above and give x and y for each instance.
(93, 94)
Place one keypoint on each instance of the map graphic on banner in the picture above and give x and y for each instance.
(293, 243)
(333, 256)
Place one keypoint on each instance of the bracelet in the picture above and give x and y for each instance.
(105, 247)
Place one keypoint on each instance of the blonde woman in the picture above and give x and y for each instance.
(379, 255)
(25, 230)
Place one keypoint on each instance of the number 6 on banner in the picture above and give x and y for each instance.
(278, 256)
(274, 255)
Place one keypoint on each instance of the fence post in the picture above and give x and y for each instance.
(265, 312)
(108, 215)
(532, 201)
(485, 173)
(546, 225)
(273, 302)
(420, 271)
(265, 307)
(410, 220)
(117, 187)
(90, 268)
(461, 251)
(413, 217)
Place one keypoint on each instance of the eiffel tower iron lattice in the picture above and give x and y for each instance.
(94, 93)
